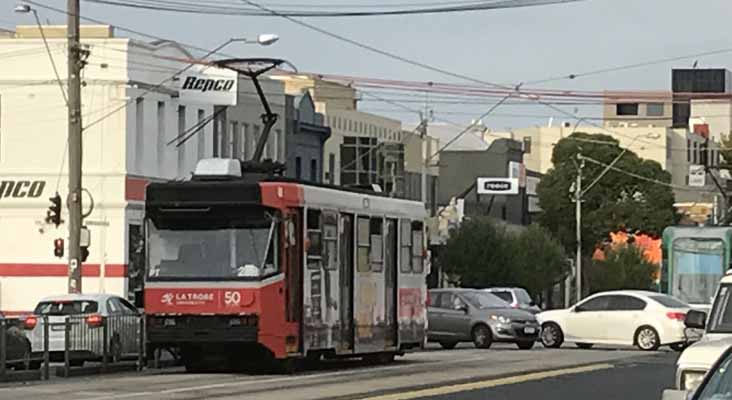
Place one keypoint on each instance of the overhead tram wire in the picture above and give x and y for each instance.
(425, 66)
(214, 10)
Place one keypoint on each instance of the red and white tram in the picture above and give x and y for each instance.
(241, 264)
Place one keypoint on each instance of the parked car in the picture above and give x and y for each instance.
(516, 298)
(86, 314)
(469, 315)
(626, 317)
(714, 385)
(18, 350)
(696, 360)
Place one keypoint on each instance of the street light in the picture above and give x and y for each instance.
(27, 9)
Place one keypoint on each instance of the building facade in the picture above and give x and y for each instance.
(306, 137)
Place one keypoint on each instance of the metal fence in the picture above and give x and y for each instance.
(78, 339)
(16, 352)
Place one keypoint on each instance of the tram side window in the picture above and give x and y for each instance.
(377, 245)
(315, 236)
(330, 240)
(417, 247)
(405, 255)
(363, 245)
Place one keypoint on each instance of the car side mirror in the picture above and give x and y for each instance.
(695, 319)
(577, 309)
(670, 394)
(532, 303)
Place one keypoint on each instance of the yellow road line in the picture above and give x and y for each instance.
(438, 391)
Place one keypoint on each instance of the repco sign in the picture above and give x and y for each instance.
(208, 85)
(21, 189)
(498, 186)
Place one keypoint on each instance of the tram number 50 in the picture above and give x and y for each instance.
(232, 298)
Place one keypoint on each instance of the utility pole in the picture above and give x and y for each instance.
(423, 135)
(578, 217)
(74, 142)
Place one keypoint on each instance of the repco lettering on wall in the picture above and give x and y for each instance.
(21, 189)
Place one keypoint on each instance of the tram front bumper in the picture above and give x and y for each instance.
(202, 329)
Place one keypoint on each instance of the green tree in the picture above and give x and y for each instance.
(482, 254)
(479, 253)
(618, 201)
(539, 260)
(624, 267)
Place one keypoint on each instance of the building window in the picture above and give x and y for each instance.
(161, 136)
(298, 168)
(140, 133)
(255, 138)
(694, 153)
(626, 109)
(201, 134)
(234, 141)
(527, 144)
(181, 133)
(313, 170)
(281, 149)
(654, 109)
(688, 150)
(245, 146)
(331, 168)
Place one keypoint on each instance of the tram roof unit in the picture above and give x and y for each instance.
(220, 184)
(702, 232)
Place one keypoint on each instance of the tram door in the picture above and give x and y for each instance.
(346, 243)
(391, 284)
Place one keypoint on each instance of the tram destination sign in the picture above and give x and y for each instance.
(508, 186)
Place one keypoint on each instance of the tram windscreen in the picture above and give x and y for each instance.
(212, 254)
(698, 266)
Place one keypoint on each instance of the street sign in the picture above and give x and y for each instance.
(498, 186)
(208, 85)
(697, 176)
(517, 170)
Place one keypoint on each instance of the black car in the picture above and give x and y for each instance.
(17, 346)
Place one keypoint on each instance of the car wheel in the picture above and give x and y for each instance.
(482, 337)
(448, 345)
(646, 338)
(679, 346)
(584, 346)
(76, 363)
(525, 345)
(551, 335)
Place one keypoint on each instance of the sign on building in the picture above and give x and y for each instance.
(697, 176)
(517, 170)
(208, 85)
(498, 186)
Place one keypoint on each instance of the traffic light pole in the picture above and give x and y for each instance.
(75, 149)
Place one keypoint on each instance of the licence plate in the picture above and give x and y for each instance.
(57, 327)
(529, 330)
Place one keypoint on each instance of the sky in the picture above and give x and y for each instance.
(503, 46)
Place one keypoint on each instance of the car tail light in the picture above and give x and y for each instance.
(94, 320)
(428, 300)
(678, 316)
(30, 322)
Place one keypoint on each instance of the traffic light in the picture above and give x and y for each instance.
(704, 156)
(58, 248)
(53, 216)
(84, 253)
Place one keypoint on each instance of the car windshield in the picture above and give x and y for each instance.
(503, 295)
(61, 307)
(719, 385)
(668, 301)
(237, 253)
(484, 300)
(720, 320)
(699, 267)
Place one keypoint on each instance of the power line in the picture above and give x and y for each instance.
(196, 8)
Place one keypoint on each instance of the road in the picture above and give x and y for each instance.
(502, 372)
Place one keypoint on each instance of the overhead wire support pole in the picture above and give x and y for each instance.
(75, 146)
(578, 218)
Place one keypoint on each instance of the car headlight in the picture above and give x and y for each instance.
(501, 319)
(690, 380)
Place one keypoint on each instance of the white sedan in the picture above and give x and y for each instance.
(627, 317)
